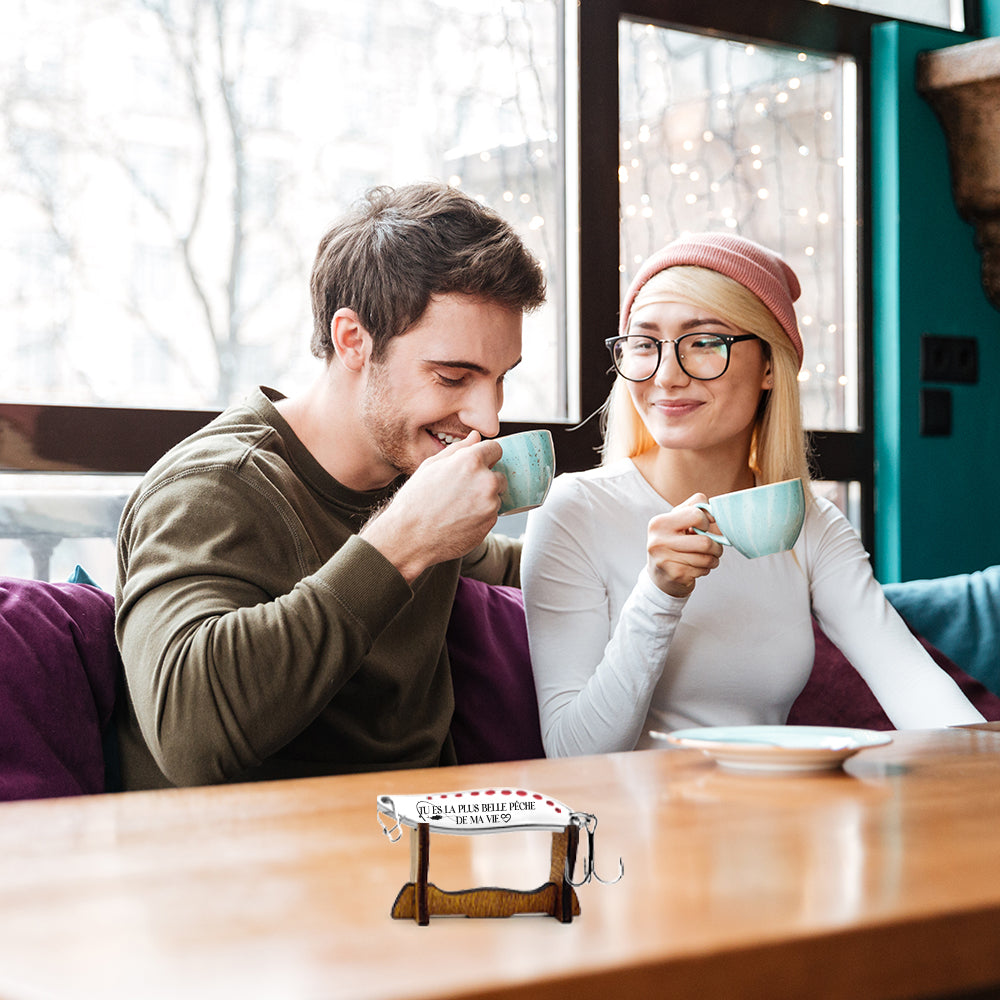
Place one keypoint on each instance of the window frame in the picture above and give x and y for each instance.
(128, 440)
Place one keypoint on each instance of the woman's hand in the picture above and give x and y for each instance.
(675, 555)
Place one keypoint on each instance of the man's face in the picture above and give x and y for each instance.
(438, 381)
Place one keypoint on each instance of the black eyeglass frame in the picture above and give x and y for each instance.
(728, 338)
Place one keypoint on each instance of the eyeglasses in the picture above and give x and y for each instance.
(702, 356)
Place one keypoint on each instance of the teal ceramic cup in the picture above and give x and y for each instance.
(760, 521)
(529, 463)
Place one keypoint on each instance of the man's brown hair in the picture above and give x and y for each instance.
(400, 246)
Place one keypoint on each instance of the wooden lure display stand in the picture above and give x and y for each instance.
(481, 811)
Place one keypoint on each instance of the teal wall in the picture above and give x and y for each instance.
(990, 12)
(935, 496)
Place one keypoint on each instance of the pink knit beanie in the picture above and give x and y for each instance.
(755, 267)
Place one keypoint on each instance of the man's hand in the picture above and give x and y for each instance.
(444, 510)
(676, 556)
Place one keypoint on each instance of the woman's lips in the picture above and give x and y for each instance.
(677, 407)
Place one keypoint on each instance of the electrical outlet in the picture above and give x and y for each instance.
(949, 359)
(935, 412)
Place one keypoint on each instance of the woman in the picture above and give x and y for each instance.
(635, 621)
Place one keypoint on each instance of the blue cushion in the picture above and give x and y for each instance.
(960, 615)
(59, 666)
(80, 575)
(496, 711)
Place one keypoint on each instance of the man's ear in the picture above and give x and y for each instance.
(351, 341)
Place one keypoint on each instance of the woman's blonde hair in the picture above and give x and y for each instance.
(779, 448)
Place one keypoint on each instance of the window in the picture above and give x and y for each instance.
(183, 158)
(944, 13)
(169, 167)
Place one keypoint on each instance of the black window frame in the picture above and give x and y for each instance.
(127, 440)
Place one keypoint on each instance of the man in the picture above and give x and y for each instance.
(286, 574)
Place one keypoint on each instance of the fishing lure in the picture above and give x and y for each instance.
(489, 810)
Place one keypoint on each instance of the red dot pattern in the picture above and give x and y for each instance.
(502, 791)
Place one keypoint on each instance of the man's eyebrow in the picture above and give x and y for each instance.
(470, 366)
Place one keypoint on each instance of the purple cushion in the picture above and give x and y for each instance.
(837, 695)
(58, 669)
(496, 712)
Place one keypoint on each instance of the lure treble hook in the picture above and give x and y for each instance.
(588, 821)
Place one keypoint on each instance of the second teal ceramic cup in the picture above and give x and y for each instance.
(529, 463)
(760, 521)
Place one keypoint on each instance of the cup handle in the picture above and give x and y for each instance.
(721, 539)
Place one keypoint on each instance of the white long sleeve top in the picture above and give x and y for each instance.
(614, 656)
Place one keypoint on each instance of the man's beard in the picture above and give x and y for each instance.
(389, 435)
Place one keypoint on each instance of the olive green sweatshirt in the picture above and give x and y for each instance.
(261, 637)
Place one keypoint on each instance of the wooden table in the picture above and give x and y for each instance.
(882, 880)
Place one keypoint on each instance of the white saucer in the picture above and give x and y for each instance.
(776, 748)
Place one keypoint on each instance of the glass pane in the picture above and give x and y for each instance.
(51, 524)
(945, 13)
(756, 140)
(167, 168)
(845, 495)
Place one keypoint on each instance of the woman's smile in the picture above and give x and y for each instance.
(677, 407)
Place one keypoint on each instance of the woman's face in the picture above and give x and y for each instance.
(681, 412)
